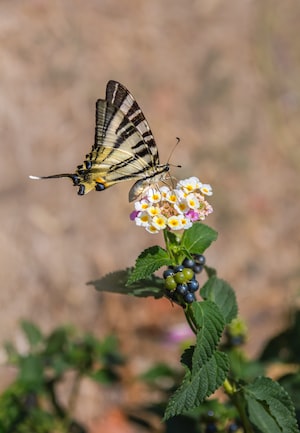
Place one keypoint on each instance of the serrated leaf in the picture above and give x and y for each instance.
(198, 238)
(187, 357)
(210, 325)
(195, 388)
(32, 332)
(222, 294)
(270, 407)
(148, 262)
(116, 282)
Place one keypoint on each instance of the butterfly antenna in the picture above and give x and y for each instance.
(171, 153)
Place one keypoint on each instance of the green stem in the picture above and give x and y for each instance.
(167, 242)
(239, 402)
(189, 318)
(74, 392)
(60, 411)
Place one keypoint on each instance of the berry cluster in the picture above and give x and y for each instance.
(181, 282)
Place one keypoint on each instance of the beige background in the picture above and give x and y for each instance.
(224, 77)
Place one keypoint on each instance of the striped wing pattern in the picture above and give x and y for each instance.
(124, 147)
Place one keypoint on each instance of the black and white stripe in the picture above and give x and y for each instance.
(124, 147)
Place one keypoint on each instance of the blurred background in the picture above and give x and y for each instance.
(222, 76)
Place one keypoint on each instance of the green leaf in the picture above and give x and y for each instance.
(291, 383)
(270, 407)
(116, 282)
(148, 262)
(32, 332)
(221, 293)
(187, 357)
(198, 238)
(195, 388)
(210, 325)
(105, 376)
(57, 342)
(157, 373)
(31, 371)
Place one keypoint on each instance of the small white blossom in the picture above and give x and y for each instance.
(171, 196)
(192, 201)
(186, 223)
(141, 205)
(142, 219)
(153, 195)
(159, 222)
(182, 206)
(206, 189)
(189, 185)
(164, 190)
(153, 210)
(151, 229)
(174, 222)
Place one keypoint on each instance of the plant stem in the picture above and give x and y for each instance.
(60, 411)
(190, 320)
(237, 399)
(74, 392)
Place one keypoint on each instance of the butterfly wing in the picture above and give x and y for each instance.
(124, 147)
(120, 97)
(119, 152)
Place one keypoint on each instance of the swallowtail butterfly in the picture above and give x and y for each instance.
(124, 147)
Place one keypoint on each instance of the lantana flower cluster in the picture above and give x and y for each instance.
(173, 208)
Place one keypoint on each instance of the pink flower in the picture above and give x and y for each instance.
(133, 215)
(192, 215)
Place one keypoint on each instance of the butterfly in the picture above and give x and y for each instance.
(124, 147)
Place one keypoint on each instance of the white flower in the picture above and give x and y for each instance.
(153, 210)
(174, 222)
(171, 196)
(192, 201)
(206, 189)
(186, 223)
(153, 195)
(189, 185)
(159, 222)
(164, 191)
(141, 205)
(182, 207)
(143, 219)
(151, 229)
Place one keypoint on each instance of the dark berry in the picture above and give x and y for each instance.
(193, 285)
(188, 273)
(233, 428)
(181, 289)
(168, 272)
(199, 259)
(189, 297)
(211, 428)
(188, 263)
(179, 268)
(197, 268)
(237, 340)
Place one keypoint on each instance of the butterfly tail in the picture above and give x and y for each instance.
(75, 178)
(53, 176)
